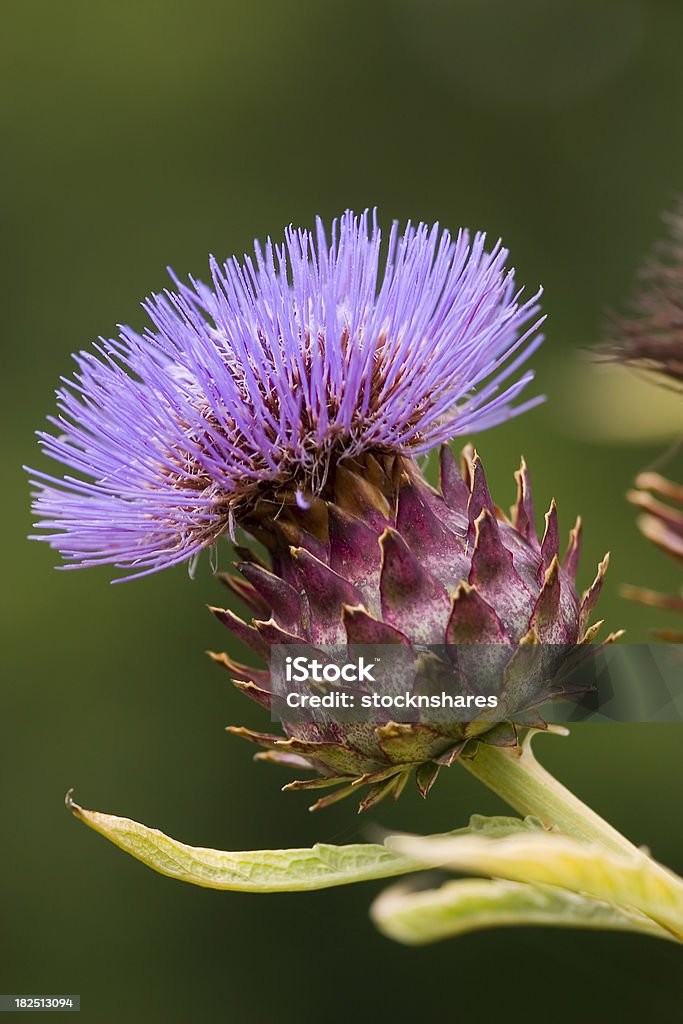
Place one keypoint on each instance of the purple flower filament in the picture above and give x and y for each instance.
(305, 354)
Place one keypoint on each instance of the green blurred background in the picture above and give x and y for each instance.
(141, 134)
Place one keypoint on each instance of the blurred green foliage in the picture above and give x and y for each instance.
(147, 133)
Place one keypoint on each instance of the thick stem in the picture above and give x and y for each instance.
(516, 776)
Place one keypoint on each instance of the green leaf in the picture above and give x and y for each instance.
(415, 918)
(550, 858)
(298, 870)
(320, 867)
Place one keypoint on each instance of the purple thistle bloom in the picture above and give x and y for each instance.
(258, 386)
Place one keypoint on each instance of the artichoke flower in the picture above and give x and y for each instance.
(290, 401)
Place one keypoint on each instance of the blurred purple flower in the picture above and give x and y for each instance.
(651, 338)
(256, 387)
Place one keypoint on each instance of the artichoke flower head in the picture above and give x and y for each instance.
(290, 400)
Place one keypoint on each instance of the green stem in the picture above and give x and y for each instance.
(516, 776)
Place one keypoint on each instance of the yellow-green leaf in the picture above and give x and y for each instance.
(318, 867)
(297, 870)
(550, 858)
(472, 904)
